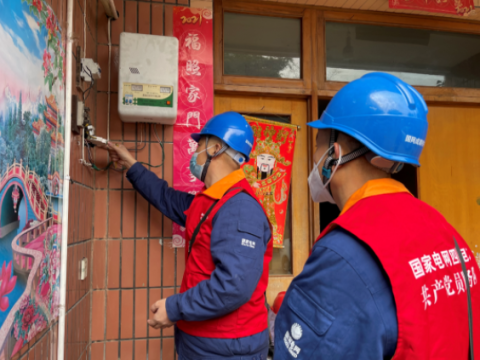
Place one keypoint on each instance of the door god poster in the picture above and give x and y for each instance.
(269, 170)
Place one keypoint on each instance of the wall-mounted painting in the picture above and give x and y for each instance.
(32, 113)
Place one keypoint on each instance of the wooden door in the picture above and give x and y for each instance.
(449, 178)
(296, 111)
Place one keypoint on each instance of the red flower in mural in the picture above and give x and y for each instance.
(45, 290)
(37, 4)
(28, 318)
(24, 304)
(51, 23)
(47, 61)
(8, 283)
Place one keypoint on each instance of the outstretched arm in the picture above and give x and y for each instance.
(172, 203)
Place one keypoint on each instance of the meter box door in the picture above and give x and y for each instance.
(148, 78)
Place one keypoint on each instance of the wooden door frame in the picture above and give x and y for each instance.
(301, 217)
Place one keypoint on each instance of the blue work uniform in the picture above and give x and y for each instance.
(231, 276)
(341, 306)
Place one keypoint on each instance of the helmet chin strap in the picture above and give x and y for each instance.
(210, 157)
(331, 162)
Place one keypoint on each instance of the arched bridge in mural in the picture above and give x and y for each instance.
(29, 236)
(19, 183)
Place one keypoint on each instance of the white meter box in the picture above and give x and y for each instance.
(148, 78)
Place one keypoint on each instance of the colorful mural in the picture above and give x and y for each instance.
(32, 73)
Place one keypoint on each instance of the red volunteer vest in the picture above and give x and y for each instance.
(415, 245)
(250, 318)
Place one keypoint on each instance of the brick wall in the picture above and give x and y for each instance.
(133, 261)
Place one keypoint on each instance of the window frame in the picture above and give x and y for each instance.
(430, 93)
(300, 86)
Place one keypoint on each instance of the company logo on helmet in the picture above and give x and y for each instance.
(415, 140)
(248, 143)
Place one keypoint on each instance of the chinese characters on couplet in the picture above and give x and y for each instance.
(192, 42)
(194, 30)
(193, 119)
(193, 94)
(437, 261)
(192, 68)
(192, 146)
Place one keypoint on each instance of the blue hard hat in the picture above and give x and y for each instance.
(384, 113)
(232, 128)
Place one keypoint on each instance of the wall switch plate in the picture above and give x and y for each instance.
(82, 269)
(90, 69)
(78, 114)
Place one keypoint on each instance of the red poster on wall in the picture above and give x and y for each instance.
(456, 7)
(269, 170)
(194, 30)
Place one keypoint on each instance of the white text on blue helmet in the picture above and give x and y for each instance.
(414, 140)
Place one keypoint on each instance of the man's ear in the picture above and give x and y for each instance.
(337, 149)
(218, 147)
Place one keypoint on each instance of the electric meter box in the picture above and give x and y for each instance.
(148, 78)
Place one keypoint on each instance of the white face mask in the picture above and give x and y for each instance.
(318, 190)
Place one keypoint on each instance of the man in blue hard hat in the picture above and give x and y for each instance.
(220, 311)
(386, 278)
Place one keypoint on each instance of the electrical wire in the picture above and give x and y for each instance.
(141, 139)
(96, 168)
(92, 83)
(109, 73)
(160, 143)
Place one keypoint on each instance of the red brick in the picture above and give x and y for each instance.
(141, 263)
(155, 263)
(141, 313)
(113, 311)
(126, 330)
(100, 225)
(157, 19)
(144, 12)
(113, 264)
(131, 16)
(114, 211)
(128, 218)
(98, 315)
(127, 263)
(126, 350)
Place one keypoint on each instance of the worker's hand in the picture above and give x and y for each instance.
(120, 155)
(160, 319)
